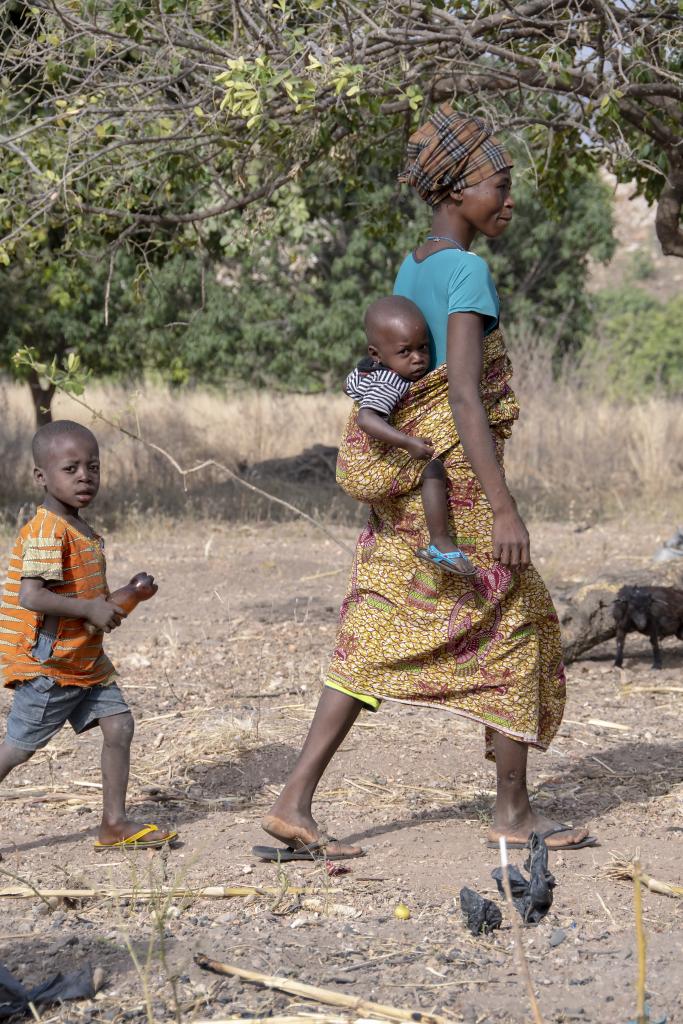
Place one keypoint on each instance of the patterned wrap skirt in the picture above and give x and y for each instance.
(486, 646)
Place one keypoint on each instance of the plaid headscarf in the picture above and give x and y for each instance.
(451, 151)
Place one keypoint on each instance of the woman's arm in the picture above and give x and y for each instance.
(465, 360)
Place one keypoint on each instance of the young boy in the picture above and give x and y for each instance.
(398, 355)
(59, 672)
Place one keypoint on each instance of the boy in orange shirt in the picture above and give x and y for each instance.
(58, 670)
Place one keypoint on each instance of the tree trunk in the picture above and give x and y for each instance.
(669, 204)
(42, 399)
(586, 619)
(585, 612)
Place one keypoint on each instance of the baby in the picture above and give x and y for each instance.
(55, 608)
(398, 355)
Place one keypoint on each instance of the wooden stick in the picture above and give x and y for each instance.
(655, 689)
(318, 995)
(20, 892)
(517, 935)
(602, 723)
(641, 1013)
(298, 1018)
(23, 793)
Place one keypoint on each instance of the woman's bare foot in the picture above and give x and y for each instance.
(297, 831)
(518, 831)
(108, 834)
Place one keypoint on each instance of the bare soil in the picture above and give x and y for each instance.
(222, 670)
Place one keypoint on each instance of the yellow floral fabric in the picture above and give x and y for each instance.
(486, 646)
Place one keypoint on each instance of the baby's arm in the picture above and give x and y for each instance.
(36, 596)
(375, 425)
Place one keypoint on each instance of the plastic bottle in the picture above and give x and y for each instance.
(140, 588)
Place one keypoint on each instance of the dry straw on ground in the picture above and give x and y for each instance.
(368, 1008)
(573, 455)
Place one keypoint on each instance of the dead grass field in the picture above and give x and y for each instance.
(573, 455)
(222, 671)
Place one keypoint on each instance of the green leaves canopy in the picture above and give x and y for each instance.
(143, 122)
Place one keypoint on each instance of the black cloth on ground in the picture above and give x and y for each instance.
(532, 898)
(14, 998)
(482, 915)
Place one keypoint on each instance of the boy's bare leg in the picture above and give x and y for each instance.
(290, 818)
(11, 757)
(435, 504)
(117, 736)
(513, 816)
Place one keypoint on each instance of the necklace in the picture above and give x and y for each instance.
(445, 238)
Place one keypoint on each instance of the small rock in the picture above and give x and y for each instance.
(557, 937)
(224, 919)
(135, 661)
(301, 920)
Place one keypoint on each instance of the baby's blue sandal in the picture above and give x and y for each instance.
(450, 561)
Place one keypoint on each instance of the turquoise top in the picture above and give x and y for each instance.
(448, 281)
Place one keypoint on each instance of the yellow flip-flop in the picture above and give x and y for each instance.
(133, 842)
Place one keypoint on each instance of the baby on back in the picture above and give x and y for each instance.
(398, 355)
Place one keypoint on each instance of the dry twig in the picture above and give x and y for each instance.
(624, 870)
(641, 1012)
(318, 995)
(517, 936)
(210, 464)
(295, 1018)
(203, 892)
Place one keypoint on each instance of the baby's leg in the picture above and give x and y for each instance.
(435, 504)
(442, 549)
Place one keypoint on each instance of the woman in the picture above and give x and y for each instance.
(488, 650)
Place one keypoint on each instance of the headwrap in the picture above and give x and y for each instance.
(451, 151)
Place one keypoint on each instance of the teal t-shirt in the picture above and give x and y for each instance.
(448, 281)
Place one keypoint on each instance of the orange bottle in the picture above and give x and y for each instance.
(140, 588)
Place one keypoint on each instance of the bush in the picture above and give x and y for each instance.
(636, 349)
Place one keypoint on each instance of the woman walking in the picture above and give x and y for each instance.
(486, 647)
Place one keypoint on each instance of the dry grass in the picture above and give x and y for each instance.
(573, 455)
(577, 455)
(239, 429)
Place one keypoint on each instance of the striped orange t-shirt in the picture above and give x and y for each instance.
(50, 548)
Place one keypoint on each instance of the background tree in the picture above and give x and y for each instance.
(281, 305)
(284, 308)
(54, 304)
(151, 120)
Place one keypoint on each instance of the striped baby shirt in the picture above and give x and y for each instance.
(73, 564)
(376, 387)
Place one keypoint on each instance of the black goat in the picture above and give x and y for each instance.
(655, 611)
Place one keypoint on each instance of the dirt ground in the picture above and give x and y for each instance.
(222, 670)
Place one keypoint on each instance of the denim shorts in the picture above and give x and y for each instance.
(41, 707)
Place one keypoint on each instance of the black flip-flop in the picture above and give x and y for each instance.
(312, 852)
(493, 844)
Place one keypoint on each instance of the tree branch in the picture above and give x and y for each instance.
(668, 219)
